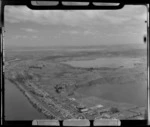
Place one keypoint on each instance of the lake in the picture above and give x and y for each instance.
(17, 106)
(127, 93)
(112, 62)
(132, 94)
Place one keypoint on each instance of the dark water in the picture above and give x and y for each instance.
(17, 107)
(129, 93)
(133, 94)
(113, 62)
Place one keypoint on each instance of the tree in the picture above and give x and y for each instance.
(114, 110)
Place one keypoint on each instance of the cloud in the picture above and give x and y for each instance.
(34, 37)
(142, 17)
(24, 37)
(81, 22)
(19, 37)
(71, 18)
(88, 32)
(70, 32)
(80, 32)
(29, 30)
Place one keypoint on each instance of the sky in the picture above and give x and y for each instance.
(25, 27)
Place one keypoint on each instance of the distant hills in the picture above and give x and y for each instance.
(112, 46)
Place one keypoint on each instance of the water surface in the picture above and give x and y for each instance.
(135, 93)
(113, 62)
(17, 106)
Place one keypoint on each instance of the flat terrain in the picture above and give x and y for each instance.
(56, 85)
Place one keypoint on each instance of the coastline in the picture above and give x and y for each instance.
(33, 101)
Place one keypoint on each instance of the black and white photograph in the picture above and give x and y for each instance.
(75, 64)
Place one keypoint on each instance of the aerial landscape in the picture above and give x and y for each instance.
(56, 88)
(75, 64)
